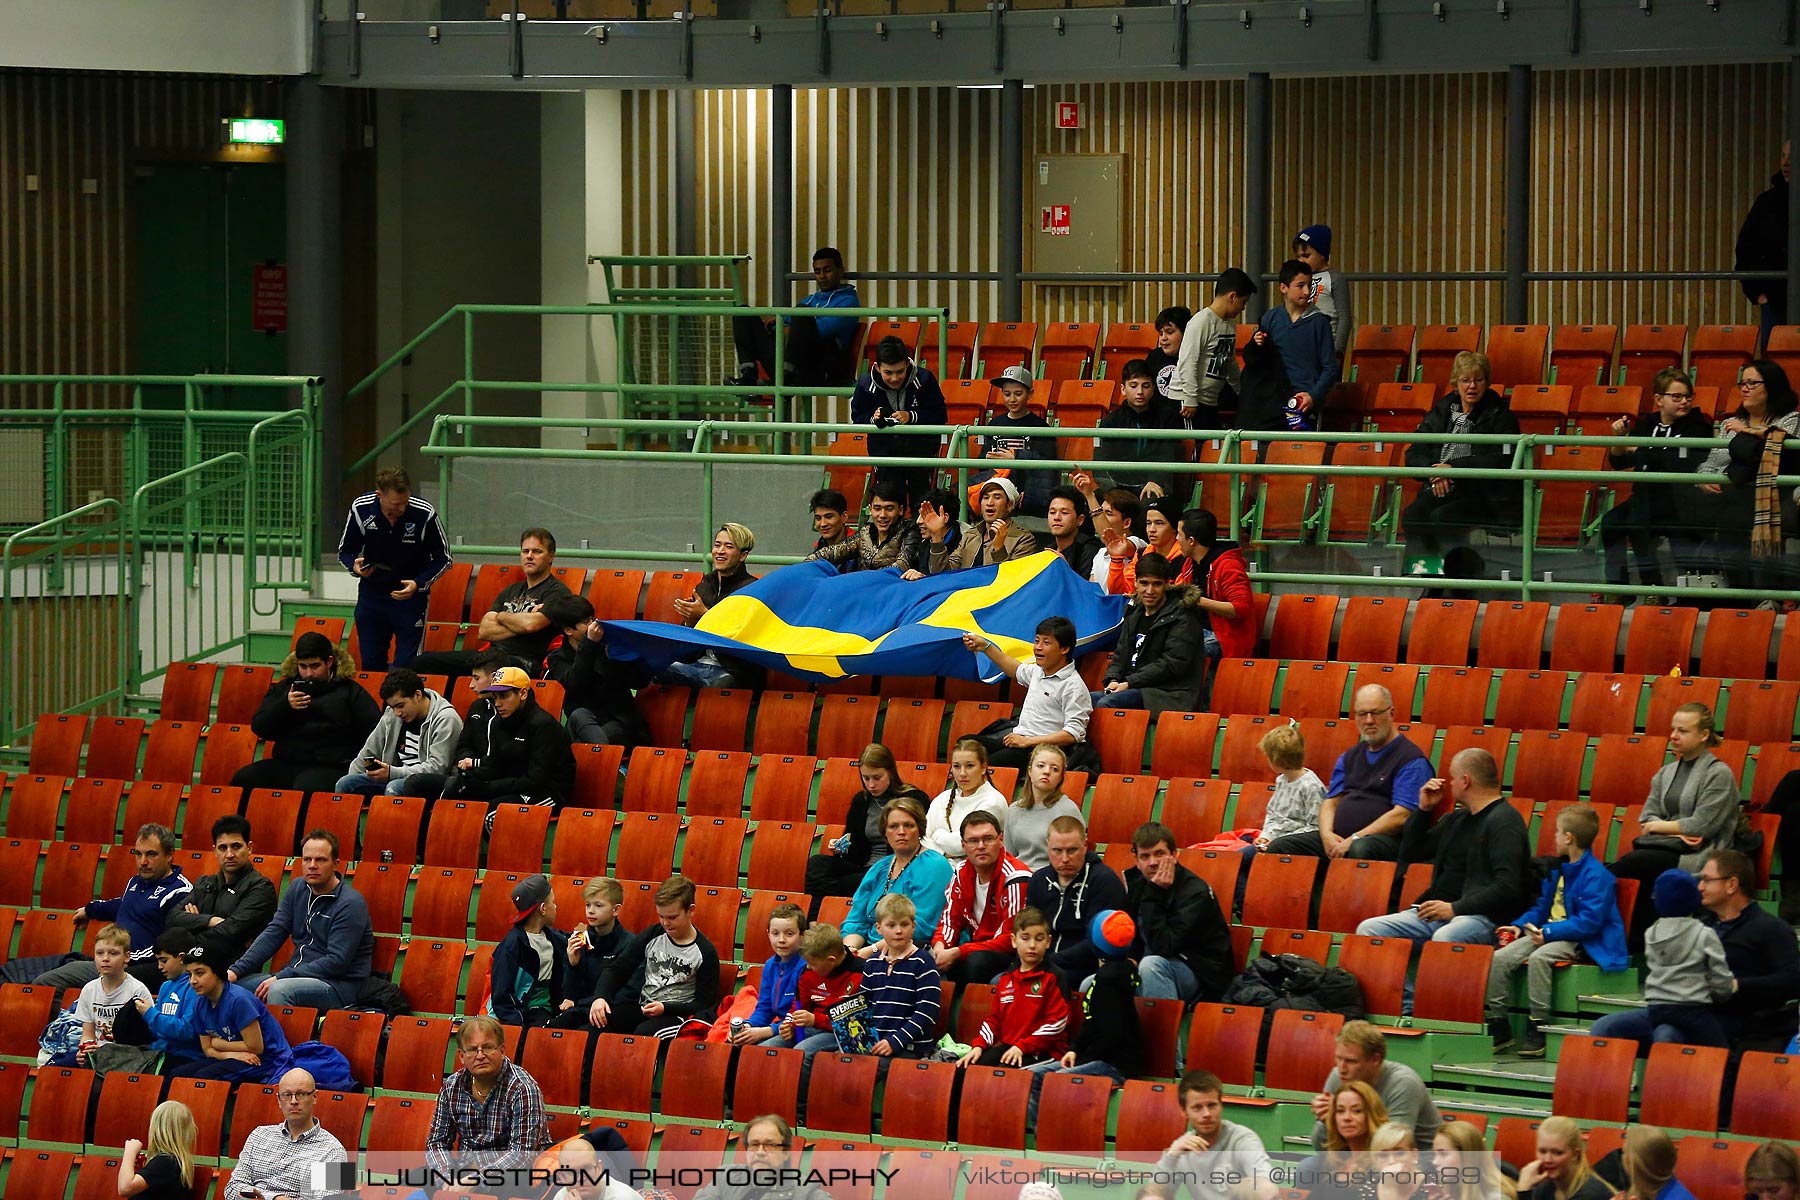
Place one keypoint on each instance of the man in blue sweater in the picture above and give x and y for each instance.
(817, 348)
(394, 544)
(328, 923)
(157, 889)
(1302, 334)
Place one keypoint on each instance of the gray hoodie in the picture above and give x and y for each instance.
(437, 741)
(1687, 963)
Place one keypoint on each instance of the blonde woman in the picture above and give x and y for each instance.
(1459, 1146)
(1040, 800)
(1649, 1162)
(1447, 508)
(1560, 1171)
(1356, 1111)
(1398, 1173)
(168, 1170)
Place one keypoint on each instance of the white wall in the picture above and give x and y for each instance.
(243, 37)
(581, 163)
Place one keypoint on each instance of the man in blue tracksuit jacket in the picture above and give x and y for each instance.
(334, 942)
(394, 544)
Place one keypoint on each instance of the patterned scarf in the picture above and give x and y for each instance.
(1765, 527)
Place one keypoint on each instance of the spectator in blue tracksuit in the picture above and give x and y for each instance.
(157, 889)
(172, 1017)
(395, 546)
(1303, 336)
(334, 943)
(817, 348)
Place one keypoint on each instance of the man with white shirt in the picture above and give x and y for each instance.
(277, 1160)
(1057, 705)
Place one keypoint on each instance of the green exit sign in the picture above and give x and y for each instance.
(257, 131)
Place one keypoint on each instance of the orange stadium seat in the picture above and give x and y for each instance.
(1457, 695)
(959, 344)
(1303, 626)
(1669, 692)
(1119, 735)
(1648, 349)
(1660, 640)
(1122, 344)
(1605, 703)
(1583, 354)
(448, 592)
(1438, 347)
(1717, 353)
(1067, 351)
(1381, 354)
(1586, 637)
(1541, 408)
(31, 811)
(1593, 1079)
(1314, 689)
(1371, 632)
(1736, 643)
(907, 331)
(1516, 354)
(1355, 502)
(1441, 630)
(614, 593)
(1244, 686)
(187, 691)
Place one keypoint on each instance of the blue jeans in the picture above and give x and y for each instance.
(1162, 978)
(1470, 930)
(362, 785)
(1693, 1024)
(695, 675)
(1129, 698)
(322, 994)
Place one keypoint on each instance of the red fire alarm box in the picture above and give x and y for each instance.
(1068, 114)
(1054, 220)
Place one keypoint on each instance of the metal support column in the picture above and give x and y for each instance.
(315, 345)
(781, 191)
(1793, 138)
(1258, 131)
(1517, 299)
(1012, 198)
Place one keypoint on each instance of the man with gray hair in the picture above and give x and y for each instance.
(157, 889)
(1374, 789)
(277, 1160)
(1479, 853)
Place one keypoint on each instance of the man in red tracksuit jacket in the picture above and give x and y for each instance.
(1030, 1019)
(973, 942)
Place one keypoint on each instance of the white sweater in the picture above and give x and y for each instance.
(943, 822)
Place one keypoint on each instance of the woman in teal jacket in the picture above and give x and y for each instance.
(915, 871)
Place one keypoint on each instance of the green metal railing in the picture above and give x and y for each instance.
(638, 400)
(168, 561)
(65, 616)
(454, 438)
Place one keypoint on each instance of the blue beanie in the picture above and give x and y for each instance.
(1112, 931)
(1318, 237)
(1676, 894)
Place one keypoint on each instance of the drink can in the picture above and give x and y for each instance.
(1507, 936)
(737, 1026)
(387, 856)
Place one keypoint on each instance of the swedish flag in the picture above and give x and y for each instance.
(810, 621)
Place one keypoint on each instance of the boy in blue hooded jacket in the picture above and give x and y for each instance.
(1577, 914)
(527, 981)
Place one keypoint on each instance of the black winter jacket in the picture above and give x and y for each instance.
(1762, 244)
(1162, 413)
(1480, 862)
(329, 731)
(1492, 414)
(592, 681)
(1670, 456)
(1264, 391)
(526, 754)
(1182, 921)
(247, 905)
(920, 397)
(1163, 654)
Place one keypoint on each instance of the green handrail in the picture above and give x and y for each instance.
(469, 384)
(452, 437)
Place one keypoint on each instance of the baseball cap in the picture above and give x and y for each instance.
(530, 892)
(1018, 375)
(507, 679)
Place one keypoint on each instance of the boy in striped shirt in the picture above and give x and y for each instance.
(1030, 1019)
(901, 985)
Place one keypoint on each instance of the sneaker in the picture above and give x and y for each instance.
(1532, 1045)
(1501, 1030)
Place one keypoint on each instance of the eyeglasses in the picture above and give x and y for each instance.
(1709, 879)
(1374, 712)
(765, 1145)
(295, 1097)
(1677, 395)
(481, 1051)
(989, 840)
(1749, 383)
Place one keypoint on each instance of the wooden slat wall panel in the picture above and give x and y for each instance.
(1649, 169)
(1408, 172)
(65, 254)
(1183, 144)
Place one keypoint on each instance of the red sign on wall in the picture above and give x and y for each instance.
(1068, 114)
(269, 298)
(1054, 220)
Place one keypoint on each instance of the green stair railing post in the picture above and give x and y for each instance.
(703, 445)
(55, 486)
(468, 378)
(1531, 505)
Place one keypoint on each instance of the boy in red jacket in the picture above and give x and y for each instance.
(831, 974)
(1030, 1020)
(973, 941)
